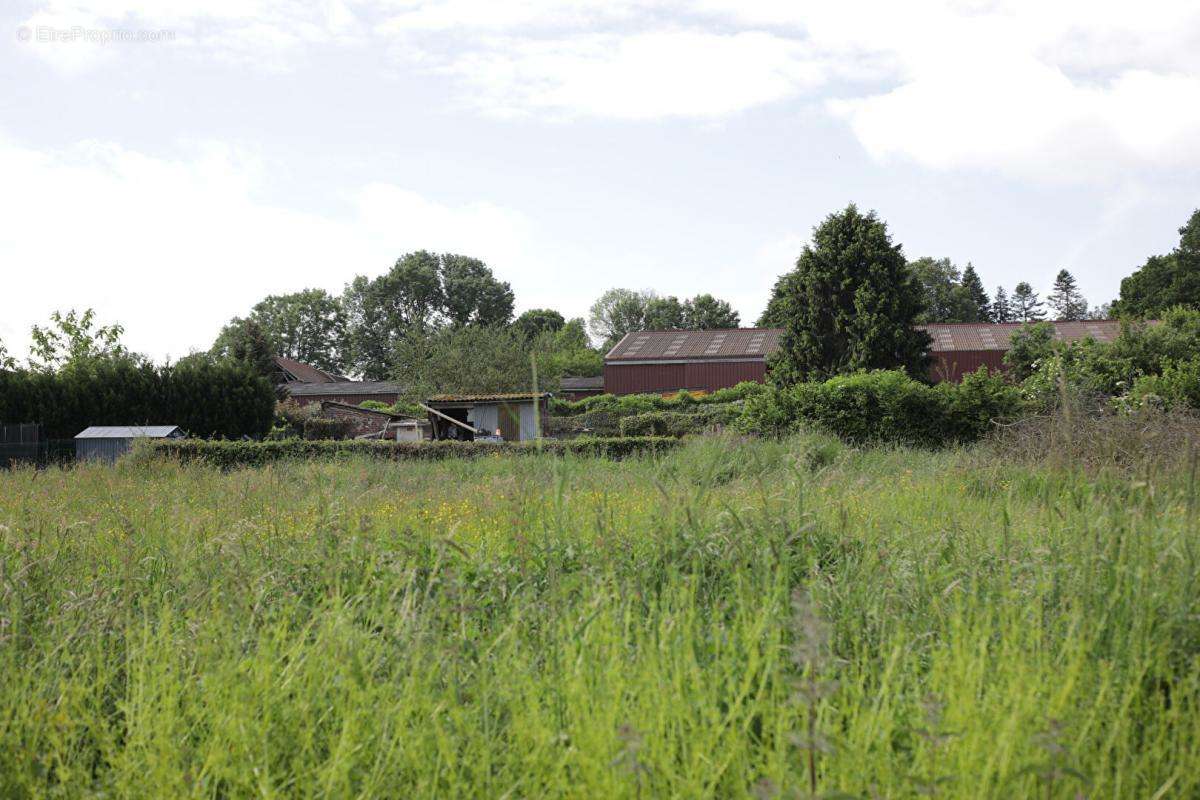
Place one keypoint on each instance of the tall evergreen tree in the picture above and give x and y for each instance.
(850, 304)
(1001, 307)
(973, 287)
(1066, 299)
(1025, 305)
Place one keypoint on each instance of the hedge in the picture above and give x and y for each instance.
(888, 406)
(205, 397)
(629, 404)
(680, 423)
(228, 454)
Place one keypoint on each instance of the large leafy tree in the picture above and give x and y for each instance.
(471, 294)
(946, 299)
(309, 326)
(663, 314)
(1165, 281)
(705, 312)
(421, 292)
(851, 304)
(536, 321)
(245, 340)
(72, 338)
(1025, 305)
(1066, 299)
(616, 313)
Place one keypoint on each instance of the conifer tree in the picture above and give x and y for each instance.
(1025, 305)
(1066, 299)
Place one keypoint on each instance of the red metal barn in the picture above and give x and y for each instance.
(699, 361)
(662, 362)
(959, 348)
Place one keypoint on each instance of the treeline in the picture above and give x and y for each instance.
(444, 322)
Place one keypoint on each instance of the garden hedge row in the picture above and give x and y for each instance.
(888, 407)
(244, 454)
(681, 423)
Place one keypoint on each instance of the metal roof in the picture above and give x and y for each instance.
(128, 432)
(342, 387)
(582, 384)
(500, 397)
(950, 337)
(729, 343)
(305, 373)
(359, 409)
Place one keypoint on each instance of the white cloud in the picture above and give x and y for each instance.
(174, 247)
(637, 76)
(1073, 89)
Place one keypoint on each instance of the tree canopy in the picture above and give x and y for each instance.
(946, 297)
(421, 292)
(850, 304)
(1165, 280)
(539, 320)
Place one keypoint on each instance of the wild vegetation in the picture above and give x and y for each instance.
(737, 618)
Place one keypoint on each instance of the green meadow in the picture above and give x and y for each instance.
(738, 618)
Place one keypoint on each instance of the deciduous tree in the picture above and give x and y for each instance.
(1165, 281)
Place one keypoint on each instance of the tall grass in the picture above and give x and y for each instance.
(736, 619)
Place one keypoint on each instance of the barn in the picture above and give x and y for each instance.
(960, 348)
(703, 361)
(699, 361)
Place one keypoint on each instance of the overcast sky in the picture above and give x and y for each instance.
(170, 162)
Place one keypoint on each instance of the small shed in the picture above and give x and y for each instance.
(512, 415)
(110, 442)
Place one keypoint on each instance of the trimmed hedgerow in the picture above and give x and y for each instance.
(228, 454)
(681, 423)
(629, 404)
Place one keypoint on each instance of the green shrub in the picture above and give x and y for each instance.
(887, 406)
(628, 404)
(228, 454)
(1177, 387)
(318, 428)
(979, 401)
(680, 423)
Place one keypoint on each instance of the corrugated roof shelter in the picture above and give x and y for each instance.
(110, 442)
(672, 361)
(577, 388)
(512, 414)
(351, 392)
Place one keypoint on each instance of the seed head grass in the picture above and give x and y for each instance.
(735, 619)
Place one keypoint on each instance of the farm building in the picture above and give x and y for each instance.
(292, 371)
(579, 388)
(515, 417)
(108, 443)
(960, 348)
(369, 423)
(348, 392)
(670, 361)
(308, 385)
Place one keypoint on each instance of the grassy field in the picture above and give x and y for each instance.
(737, 619)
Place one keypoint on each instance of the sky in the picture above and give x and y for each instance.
(170, 162)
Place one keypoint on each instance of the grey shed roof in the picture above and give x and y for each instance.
(128, 432)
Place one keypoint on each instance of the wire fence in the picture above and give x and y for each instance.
(25, 444)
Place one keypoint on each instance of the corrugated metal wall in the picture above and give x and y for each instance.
(953, 365)
(102, 449)
(699, 375)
